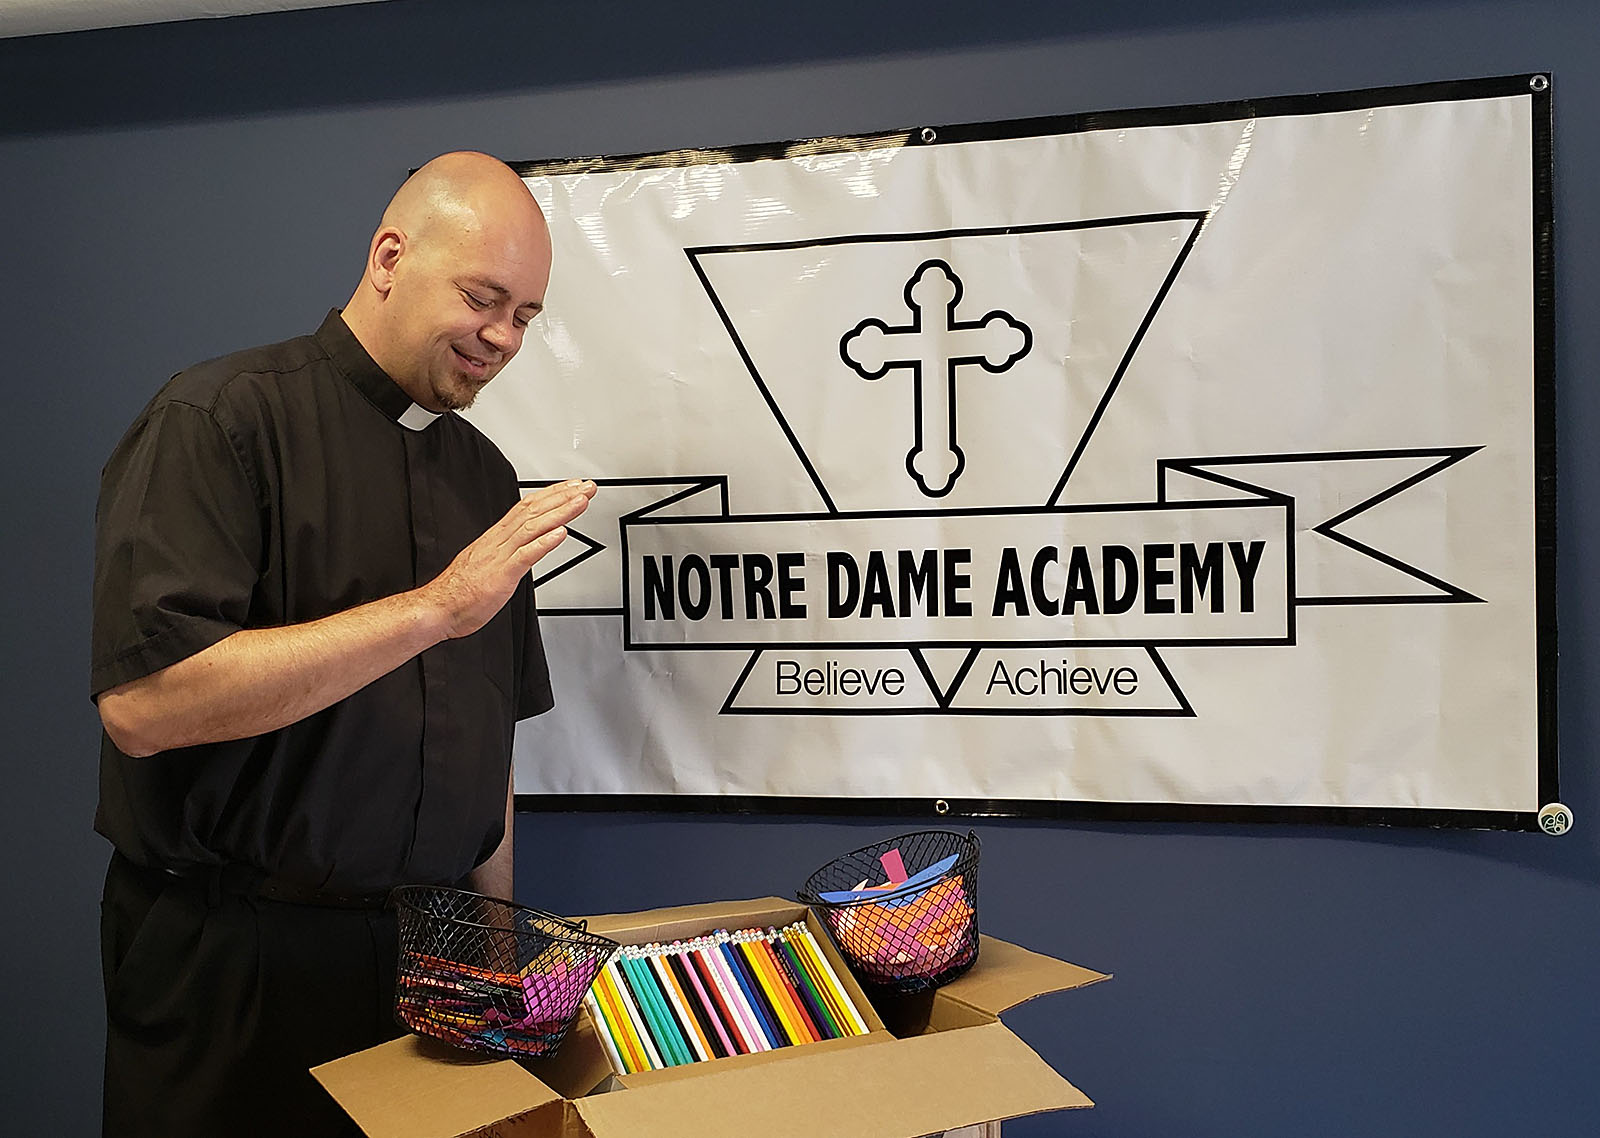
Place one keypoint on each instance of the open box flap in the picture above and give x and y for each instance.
(1006, 975)
(578, 1067)
(667, 924)
(417, 1088)
(897, 1090)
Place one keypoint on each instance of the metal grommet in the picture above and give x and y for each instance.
(1555, 818)
(1539, 82)
(929, 134)
(940, 806)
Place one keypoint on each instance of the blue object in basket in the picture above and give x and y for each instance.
(922, 878)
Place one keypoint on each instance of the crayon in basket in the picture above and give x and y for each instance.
(489, 975)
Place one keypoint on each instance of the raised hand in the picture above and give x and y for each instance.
(483, 576)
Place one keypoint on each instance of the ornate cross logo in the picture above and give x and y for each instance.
(933, 351)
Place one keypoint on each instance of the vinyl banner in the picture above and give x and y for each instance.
(1176, 463)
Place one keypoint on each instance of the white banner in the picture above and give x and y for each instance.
(1147, 462)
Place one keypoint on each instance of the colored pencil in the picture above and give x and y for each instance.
(741, 983)
(687, 1024)
(638, 1010)
(699, 971)
(810, 945)
(673, 1051)
(819, 988)
(759, 988)
(743, 1017)
(694, 996)
(764, 1013)
(650, 965)
(782, 998)
(627, 1022)
(678, 1036)
(758, 999)
(608, 1041)
(803, 988)
(636, 1021)
(605, 1024)
(798, 991)
(641, 1023)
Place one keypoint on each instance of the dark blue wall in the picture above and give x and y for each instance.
(170, 193)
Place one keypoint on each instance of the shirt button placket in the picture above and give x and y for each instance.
(425, 543)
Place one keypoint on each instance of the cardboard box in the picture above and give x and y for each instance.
(930, 1063)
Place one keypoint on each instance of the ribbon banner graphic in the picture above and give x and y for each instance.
(1143, 466)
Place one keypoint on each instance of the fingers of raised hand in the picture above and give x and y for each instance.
(549, 496)
(539, 501)
(532, 552)
(558, 514)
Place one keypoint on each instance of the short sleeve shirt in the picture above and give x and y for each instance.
(274, 487)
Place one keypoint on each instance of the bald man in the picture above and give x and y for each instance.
(314, 630)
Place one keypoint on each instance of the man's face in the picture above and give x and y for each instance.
(464, 294)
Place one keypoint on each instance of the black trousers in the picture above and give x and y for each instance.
(217, 1004)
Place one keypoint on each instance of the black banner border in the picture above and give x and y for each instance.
(1061, 810)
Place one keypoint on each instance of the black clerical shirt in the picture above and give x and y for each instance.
(273, 487)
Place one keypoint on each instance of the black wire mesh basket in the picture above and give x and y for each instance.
(904, 911)
(489, 975)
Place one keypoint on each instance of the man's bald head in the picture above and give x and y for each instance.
(461, 190)
(456, 270)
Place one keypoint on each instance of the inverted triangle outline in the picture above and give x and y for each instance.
(695, 253)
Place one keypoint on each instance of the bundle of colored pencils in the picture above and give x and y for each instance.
(664, 1005)
(524, 1013)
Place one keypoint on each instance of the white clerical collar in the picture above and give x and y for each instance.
(417, 418)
